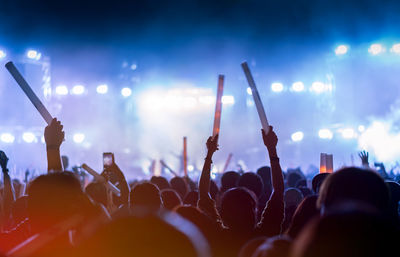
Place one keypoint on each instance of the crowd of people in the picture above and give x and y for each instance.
(353, 211)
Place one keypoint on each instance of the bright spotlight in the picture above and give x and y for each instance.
(376, 49)
(341, 50)
(228, 99)
(325, 134)
(277, 87)
(297, 86)
(318, 87)
(297, 136)
(78, 90)
(208, 100)
(249, 92)
(102, 89)
(29, 137)
(33, 54)
(395, 49)
(361, 128)
(62, 90)
(126, 91)
(7, 138)
(2, 54)
(348, 133)
(78, 138)
(190, 167)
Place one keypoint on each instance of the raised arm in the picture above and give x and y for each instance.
(273, 213)
(8, 193)
(116, 176)
(54, 136)
(364, 158)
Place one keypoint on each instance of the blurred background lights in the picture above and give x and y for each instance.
(33, 54)
(325, 134)
(126, 91)
(7, 138)
(395, 49)
(249, 92)
(361, 128)
(78, 90)
(228, 99)
(277, 87)
(102, 89)
(348, 133)
(375, 49)
(297, 136)
(61, 90)
(318, 87)
(298, 86)
(78, 138)
(341, 50)
(2, 54)
(28, 137)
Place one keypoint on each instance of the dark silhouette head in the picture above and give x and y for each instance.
(229, 180)
(306, 210)
(293, 178)
(98, 192)
(160, 182)
(180, 186)
(293, 197)
(317, 181)
(252, 182)
(265, 174)
(239, 209)
(354, 184)
(278, 246)
(145, 195)
(191, 198)
(170, 198)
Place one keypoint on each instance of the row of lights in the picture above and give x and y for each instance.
(298, 86)
(373, 49)
(327, 134)
(30, 54)
(80, 90)
(30, 137)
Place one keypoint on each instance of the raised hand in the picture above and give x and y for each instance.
(364, 157)
(270, 139)
(3, 161)
(54, 134)
(212, 144)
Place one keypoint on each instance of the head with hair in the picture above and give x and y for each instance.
(318, 180)
(239, 209)
(251, 181)
(229, 180)
(145, 195)
(170, 198)
(160, 182)
(180, 186)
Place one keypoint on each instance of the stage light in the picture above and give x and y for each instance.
(277, 87)
(33, 54)
(2, 54)
(395, 49)
(126, 91)
(376, 49)
(190, 167)
(228, 99)
(325, 134)
(61, 90)
(78, 138)
(249, 92)
(7, 138)
(29, 137)
(361, 128)
(341, 50)
(297, 86)
(297, 136)
(102, 89)
(348, 133)
(208, 100)
(133, 67)
(78, 90)
(318, 87)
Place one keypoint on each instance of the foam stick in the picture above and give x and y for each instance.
(185, 156)
(110, 186)
(329, 163)
(168, 168)
(29, 92)
(38, 241)
(227, 162)
(256, 97)
(322, 163)
(218, 105)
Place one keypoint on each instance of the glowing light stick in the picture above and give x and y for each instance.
(218, 105)
(322, 163)
(168, 168)
(256, 97)
(29, 92)
(329, 163)
(185, 172)
(227, 162)
(110, 186)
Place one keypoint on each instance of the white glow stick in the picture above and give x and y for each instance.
(329, 163)
(256, 97)
(168, 168)
(29, 92)
(322, 163)
(100, 178)
(218, 105)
